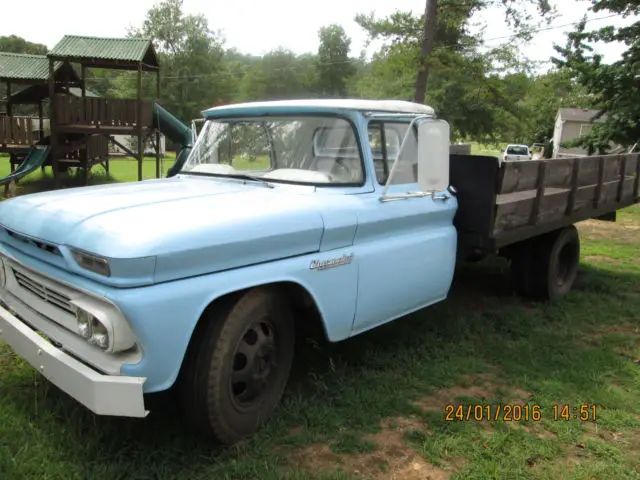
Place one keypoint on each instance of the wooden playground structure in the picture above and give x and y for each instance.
(79, 125)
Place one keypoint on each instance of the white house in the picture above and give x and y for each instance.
(572, 123)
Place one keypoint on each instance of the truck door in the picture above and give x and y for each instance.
(406, 249)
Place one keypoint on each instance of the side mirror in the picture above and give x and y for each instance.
(433, 155)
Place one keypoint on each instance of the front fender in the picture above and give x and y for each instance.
(165, 315)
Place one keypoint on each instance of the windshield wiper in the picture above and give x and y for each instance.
(244, 176)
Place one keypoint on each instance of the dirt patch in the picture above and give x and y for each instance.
(598, 229)
(393, 459)
(600, 259)
(483, 387)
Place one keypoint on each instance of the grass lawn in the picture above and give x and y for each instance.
(375, 406)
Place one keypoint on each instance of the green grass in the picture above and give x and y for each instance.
(374, 405)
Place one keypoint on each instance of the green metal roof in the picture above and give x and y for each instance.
(100, 48)
(19, 66)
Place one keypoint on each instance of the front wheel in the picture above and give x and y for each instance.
(239, 367)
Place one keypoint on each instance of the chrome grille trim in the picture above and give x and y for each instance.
(45, 293)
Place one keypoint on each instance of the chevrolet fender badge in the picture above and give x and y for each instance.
(331, 262)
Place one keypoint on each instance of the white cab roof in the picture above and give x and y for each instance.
(395, 106)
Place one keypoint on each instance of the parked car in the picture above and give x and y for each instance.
(514, 153)
(339, 215)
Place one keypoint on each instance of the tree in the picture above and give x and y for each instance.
(615, 87)
(334, 65)
(279, 75)
(466, 86)
(517, 15)
(15, 44)
(191, 58)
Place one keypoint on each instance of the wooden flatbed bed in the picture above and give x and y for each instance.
(499, 206)
(526, 212)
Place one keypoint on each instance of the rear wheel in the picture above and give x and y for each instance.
(555, 265)
(239, 367)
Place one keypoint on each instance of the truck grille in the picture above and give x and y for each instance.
(45, 293)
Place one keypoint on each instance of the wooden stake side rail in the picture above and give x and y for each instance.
(17, 130)
(541, 195)
(101, 112)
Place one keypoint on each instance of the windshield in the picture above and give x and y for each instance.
(307, 150)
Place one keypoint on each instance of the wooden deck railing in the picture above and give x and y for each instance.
(108, 112)
(17, 131)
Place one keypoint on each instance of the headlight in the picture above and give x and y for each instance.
(93, 263)
(103, 325)
(84, 323)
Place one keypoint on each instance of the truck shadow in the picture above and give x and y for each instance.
(332, 385)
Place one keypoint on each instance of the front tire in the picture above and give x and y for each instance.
(239, 366)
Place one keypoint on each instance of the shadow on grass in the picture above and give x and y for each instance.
(346, 388)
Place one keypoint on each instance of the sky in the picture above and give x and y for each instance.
(256, 26)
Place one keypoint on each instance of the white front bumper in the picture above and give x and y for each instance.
(102, 394)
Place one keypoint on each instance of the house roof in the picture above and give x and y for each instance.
(578, 114)
(25, 68)
(286, 106)
(97, 50)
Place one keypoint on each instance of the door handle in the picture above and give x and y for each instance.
(442, 197)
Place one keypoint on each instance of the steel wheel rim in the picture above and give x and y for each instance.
(254, 365)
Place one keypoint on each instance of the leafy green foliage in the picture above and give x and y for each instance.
(614, 87)
(334, 65)
(15, 44)
(488, 95)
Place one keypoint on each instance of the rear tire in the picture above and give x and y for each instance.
(238, 368)
(555, 264)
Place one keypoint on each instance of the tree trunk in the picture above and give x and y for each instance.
(428, 40)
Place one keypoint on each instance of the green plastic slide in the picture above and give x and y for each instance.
(34, 160)
(172, 128)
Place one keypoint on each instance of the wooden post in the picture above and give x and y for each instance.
(139, 121)
(83, 76)
(40, 119)
(598, 194)
(623, 169)
(575, 175)
(540, 190)
(636, 185)
(52, 127)
(9, 113)
(84, 153)
(157, 126)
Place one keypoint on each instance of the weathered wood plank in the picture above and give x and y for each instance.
(627, 189)
(512, 215)
(584, 197)
(559, 172)
(612, 165)
(542, 172)
(553, 206)
(609, 192)
(598, 194)
(519, 176)
(589, 168)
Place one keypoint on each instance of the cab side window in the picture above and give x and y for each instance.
(385, 139)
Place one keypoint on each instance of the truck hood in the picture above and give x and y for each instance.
(182, 226)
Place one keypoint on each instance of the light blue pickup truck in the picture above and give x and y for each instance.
(337, 214)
